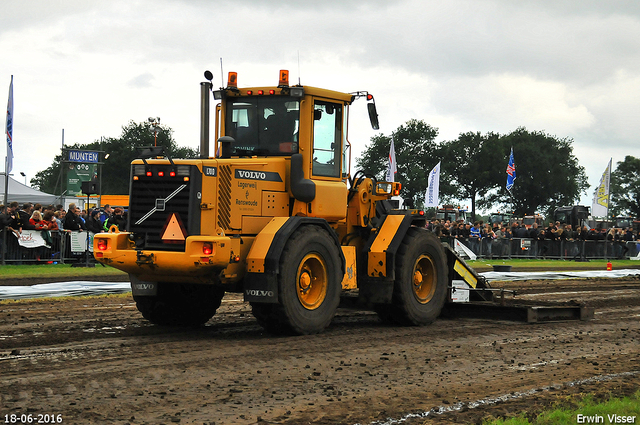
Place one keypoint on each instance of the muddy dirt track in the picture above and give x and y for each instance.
(97, 361)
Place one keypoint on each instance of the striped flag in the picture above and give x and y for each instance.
(393, 168)
(600, 204)
(9, 129)
(511, 171)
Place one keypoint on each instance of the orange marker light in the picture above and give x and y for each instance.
(232, 82)
(284, 78)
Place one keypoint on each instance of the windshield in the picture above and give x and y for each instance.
(263, 125)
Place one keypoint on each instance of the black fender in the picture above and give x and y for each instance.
(263, 287)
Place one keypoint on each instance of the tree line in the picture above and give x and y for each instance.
(473, 167)
(122, 150)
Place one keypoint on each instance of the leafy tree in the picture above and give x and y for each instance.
(416, 154)
(625, 187)
(547, 173)
(470, 165)
(122, 150)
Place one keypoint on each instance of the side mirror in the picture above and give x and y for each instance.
(373, 116)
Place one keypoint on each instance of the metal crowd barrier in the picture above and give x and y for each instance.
(551, 249)
(71, 247)
(40, 247)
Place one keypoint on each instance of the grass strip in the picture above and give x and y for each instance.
(555, 265)
(581, 409)
(54, 270)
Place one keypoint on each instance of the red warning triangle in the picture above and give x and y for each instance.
(173, 231)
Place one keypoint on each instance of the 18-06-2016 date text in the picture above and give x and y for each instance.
(33, 419)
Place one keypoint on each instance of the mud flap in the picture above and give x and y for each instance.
(142, 287)
(375, 291)
(261, 288)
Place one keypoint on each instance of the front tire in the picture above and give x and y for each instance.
(308, 285)
(180, 304)
(420, 287)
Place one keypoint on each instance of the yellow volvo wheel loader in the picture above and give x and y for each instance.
(275, 214)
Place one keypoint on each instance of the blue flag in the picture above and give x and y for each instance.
(9, 129)
(511, 171)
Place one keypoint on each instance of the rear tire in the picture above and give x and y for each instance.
(308, 285)
(180, 304)
(420, 287)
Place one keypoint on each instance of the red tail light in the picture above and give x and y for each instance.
(207, 248)
(102, 244)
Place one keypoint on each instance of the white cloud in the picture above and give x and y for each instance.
(465, 65)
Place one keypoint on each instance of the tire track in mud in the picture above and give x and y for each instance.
(96, 360)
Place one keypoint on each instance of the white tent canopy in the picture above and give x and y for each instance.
(21, 193)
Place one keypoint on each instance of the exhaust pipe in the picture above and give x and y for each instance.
(205, 102)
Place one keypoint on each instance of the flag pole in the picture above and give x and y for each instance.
(6, 181)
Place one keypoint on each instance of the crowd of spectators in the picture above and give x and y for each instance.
(554, 231)
(14, 219)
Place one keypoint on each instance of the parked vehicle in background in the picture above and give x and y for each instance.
(451, 213)
(623, 222)
(576, 215)
(501, 217)
(528, 220)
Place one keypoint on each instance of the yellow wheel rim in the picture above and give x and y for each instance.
(424, 279)
(311, 281)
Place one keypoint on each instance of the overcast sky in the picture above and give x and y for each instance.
(569, 68)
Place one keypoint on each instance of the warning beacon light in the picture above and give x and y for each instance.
(284, 78)
(232, 82)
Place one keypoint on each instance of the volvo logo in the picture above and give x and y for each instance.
(270, 176)
(258, 293)
(256, 175)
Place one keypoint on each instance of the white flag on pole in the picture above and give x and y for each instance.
(431, 197)
(600, 204)
(393, 168)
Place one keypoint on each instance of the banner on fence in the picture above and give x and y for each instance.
(79, 241)
(32, 239)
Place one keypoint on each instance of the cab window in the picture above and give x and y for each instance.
(327, 126)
